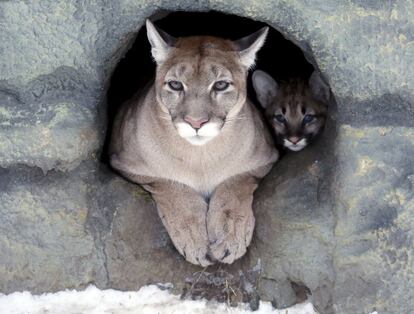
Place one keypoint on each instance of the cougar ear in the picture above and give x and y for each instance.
(265, 87)
(319, 88)
(160, 41)
(248, 46)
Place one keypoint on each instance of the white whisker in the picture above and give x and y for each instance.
(239, 118)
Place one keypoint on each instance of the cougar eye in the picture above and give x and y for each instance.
(308, 118)
(220, 86)
(176, 85)
(280, 118)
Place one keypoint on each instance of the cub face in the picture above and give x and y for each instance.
(201, 81)
(296, 110)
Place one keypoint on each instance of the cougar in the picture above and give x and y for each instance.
(296, 110)
(196, 143)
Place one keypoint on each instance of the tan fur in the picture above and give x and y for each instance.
(147, 149)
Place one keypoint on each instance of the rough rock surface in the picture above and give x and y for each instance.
(336, 218)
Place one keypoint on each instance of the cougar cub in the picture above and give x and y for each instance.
(296, 110)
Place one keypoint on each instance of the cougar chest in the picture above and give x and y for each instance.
(201, 171)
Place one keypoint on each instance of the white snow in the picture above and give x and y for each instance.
(148, 300)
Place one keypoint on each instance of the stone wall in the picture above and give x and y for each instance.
(336, 218)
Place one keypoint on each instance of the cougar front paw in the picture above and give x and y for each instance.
(195, 252)
(190, 239)
(230, 232)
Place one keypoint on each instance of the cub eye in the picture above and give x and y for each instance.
(308, 118)
(176, 85)
(220, 86)
(279, 118)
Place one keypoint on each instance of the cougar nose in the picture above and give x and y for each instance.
(195, 123)
(294, 139)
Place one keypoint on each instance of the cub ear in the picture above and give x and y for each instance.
(248, 46)
(160, 41)
(319, 88)
(265, 87)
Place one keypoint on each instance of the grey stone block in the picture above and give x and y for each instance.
(43, 239)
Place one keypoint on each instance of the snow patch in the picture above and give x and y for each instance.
(148, 300)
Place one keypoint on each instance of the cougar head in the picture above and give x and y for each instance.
(201, 81)
(296, 110)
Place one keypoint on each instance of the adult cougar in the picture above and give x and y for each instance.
(197, 144)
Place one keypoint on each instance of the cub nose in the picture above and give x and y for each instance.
(294, 139)
(195, 123)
